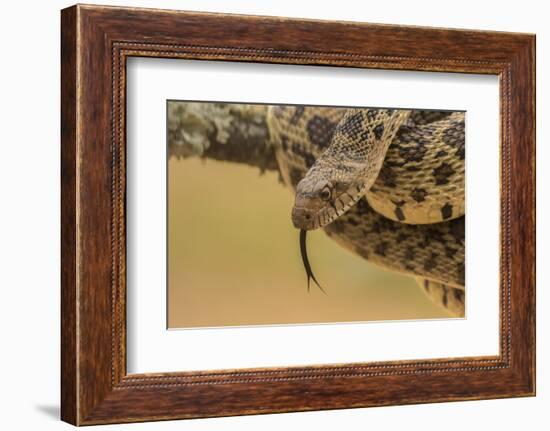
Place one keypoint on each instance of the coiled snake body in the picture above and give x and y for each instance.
(386, 184)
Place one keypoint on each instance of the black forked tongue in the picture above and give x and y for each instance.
(307, 266)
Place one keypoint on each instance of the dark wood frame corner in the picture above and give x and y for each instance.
(95, 43)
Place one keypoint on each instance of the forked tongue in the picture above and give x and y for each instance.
(307, 266)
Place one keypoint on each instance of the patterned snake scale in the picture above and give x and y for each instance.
(386, 184)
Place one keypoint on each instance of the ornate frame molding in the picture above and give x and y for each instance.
(96, 41)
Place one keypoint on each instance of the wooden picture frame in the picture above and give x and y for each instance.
(96, 41)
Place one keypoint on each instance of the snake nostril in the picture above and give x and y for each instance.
(308, 216)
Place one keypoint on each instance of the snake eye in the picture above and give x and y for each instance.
(326, 193)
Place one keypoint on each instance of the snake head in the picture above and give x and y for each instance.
(347, 168)
(318, 202)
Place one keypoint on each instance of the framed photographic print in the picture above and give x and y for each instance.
(264, 214)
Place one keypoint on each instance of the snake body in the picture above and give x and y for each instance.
(386, 184)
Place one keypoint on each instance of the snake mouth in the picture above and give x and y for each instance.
(305, 217)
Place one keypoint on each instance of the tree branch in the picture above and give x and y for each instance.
(220, 131)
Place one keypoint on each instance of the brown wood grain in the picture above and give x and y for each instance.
(68, 218)
(96, 41)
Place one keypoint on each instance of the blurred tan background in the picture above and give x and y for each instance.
(234, 259)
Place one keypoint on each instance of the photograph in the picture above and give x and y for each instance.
(227, 215)
(264, 211)
(299, 214)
